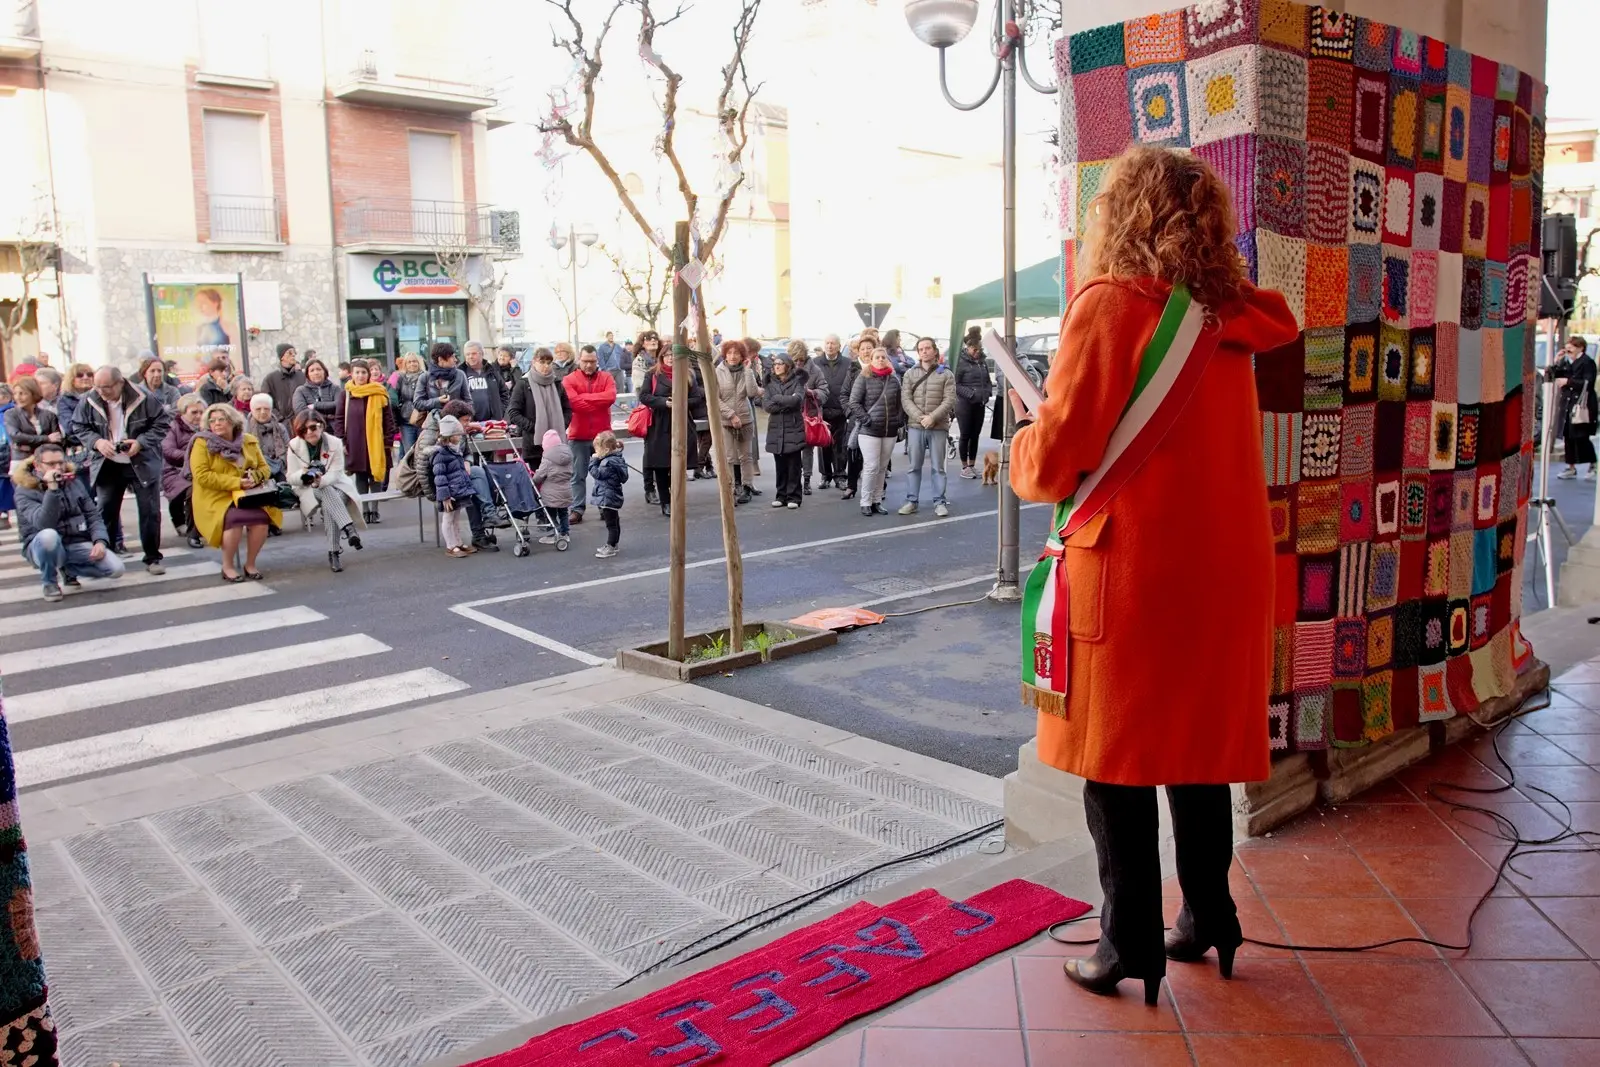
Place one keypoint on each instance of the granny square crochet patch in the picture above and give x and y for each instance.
(1389, 186)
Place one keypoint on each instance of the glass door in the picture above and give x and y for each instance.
(412, 332)
(370, 332)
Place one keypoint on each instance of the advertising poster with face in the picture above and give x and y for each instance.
(195, 318)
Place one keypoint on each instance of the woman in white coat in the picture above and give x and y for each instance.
(316, 470)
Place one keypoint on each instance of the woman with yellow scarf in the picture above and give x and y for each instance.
(364, 422)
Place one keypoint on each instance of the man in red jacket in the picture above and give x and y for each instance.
(592, 394)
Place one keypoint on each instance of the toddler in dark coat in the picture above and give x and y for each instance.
(609, 471)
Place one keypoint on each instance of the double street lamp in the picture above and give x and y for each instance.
(942, 23)
(572, 239)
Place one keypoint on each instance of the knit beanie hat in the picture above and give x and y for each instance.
(450, 426)
(551, 439)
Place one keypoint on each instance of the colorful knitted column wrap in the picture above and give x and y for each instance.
(1388, 184)
(28, 1033)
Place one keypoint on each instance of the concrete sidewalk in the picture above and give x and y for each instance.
(448, 873)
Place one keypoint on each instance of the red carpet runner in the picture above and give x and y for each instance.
(772, 1002)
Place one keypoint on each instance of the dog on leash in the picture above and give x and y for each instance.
(991, 468)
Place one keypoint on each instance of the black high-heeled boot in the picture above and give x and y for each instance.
(1100, 978)
(349, 531)
(333, 562)
(1185, 944)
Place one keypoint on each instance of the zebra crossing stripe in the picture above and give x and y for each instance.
(50, 763)
(61, 616)
(48, 703)
(15, 663)
(21, 567)
(134, 577)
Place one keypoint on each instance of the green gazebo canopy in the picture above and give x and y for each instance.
(1038, 297)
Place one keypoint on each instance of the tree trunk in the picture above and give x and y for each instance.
(724, 467)
(678, 535)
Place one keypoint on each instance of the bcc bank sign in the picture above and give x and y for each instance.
(372, 277)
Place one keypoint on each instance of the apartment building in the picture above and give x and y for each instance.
(210, 176)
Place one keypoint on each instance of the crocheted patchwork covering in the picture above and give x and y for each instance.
(1388, 184)
(27, 1031)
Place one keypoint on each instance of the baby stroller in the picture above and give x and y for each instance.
(511, 482)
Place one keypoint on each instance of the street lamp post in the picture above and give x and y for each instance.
(573, 238)
(942, 23)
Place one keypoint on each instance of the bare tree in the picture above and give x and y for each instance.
(558, 285)
(33, 254)
(577, 127)
(457, 249)
(645, 288)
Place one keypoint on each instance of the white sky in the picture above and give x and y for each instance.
(1574, 31)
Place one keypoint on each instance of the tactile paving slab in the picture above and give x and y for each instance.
(404, 909)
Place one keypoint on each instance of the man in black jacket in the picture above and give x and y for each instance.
(281, 382)
(840, 372)
(485, 390)
(63, 534)
(121, 428)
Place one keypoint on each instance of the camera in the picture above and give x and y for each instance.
(123, 446)
(312, 473)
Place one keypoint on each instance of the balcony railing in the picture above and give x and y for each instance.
(246, 219)
(403, 223)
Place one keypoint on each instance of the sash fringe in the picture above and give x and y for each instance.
(1045, 700)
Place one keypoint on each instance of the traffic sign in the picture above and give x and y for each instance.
(511, 317)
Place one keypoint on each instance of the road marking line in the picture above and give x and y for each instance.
(58, 617)
(714, 561)
(133, 578)
(49, 763)
(529, 636)
(929, 590)
(49, 703)
(21, 566)
(15, 663)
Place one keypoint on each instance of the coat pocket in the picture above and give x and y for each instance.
(1085, 563)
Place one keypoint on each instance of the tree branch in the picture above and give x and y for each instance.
(648, 25)
(734, 123)
(581, 136)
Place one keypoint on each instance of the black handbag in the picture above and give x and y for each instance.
(275, 495)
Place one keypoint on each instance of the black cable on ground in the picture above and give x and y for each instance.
(1506, 829)
(936, 607)
(788, 907)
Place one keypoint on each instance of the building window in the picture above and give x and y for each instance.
(238, 180)
(436, 209)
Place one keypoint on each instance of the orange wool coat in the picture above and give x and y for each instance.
(1171, 584)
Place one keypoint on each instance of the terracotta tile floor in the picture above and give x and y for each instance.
(1392, 863)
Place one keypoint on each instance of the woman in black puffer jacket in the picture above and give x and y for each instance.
(783, 398)
(879, 418)
(974, 387)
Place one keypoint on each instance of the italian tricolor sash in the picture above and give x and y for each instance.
(1169, 369)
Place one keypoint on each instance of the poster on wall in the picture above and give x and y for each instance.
(196, 317)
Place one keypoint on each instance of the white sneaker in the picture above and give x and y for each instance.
(908, 508)
(777, 503)
(940, 509)
(548, 539)
(792, 506)
(155, 568)
(605, 551)
(968, 472)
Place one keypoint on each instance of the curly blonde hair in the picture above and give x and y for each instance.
(1166, 214)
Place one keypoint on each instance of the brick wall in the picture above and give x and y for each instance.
(229, 98)
(371, 153)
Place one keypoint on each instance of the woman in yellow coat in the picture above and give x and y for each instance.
(226, 463)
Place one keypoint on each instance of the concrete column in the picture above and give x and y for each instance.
(1043, 804)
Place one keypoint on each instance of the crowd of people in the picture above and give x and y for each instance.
(228, 454)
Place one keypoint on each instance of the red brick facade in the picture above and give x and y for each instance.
(230, 98)
(371, 153)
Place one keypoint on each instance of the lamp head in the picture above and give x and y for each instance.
(941, 23)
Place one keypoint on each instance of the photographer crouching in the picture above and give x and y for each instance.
(63, 534)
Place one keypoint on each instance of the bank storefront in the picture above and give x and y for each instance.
(399, 305)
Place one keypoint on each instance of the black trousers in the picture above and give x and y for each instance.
(661, 478)
(969, 419)
(833, 460)
(613, 521)
(1578, 441)
(114, 482)
(1123, 822)
(788, 487)
(178, 511)
(853, 464)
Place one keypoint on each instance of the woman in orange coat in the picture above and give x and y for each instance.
(1169, 619)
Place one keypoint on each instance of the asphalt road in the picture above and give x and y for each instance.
(255, 652)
